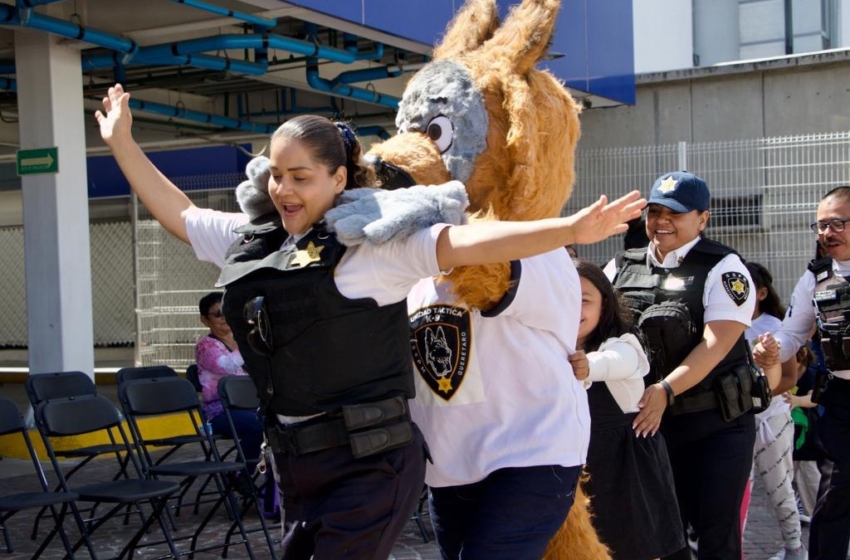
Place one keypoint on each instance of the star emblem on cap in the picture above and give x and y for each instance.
(667, 185)
(303, 257)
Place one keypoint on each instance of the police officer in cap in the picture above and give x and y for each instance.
(822, 297)
(693, 301)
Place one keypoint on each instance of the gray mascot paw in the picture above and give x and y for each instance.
(253, 194)
(377, 216)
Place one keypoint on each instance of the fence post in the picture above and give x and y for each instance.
(683, 156)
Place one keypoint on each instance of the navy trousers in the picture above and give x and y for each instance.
(510, 515)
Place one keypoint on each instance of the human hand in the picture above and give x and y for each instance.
(115, 124)
(581, 367)
(651, 405)
(602, 219)
(766, 351)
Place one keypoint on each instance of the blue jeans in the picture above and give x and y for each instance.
(249, 428)
(512, 514)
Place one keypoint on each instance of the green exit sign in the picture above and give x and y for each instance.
(39, 160)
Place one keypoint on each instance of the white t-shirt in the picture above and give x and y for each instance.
(621, 363)
(385, 273)
(765, 323)
(800, 317)
(498, 391)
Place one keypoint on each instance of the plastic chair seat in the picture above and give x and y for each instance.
(195, 468)
(121, 491)
(92, 451)
(26, 500)
(180, 440)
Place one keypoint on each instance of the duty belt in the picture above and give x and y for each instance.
(388, 419)
(696, 402)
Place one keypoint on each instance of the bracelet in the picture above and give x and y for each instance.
(671, 396)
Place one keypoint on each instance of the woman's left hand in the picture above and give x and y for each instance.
(766, 352)
(581, 368)
(651, 405)
(600, 220)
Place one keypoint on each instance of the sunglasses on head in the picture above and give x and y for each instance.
(259, 337)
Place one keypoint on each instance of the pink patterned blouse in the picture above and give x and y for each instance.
(214, 362)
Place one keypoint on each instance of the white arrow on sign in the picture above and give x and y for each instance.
(45, 161)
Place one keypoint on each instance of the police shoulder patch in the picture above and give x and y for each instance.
(737, 286)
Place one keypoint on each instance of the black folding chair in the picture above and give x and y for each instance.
(45, 386)
(176, 396)
(238, 392)
(11, 422)
(193, 377)
(90, 415)
(127, 374)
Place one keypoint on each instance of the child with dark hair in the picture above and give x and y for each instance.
(772, 455)
(630, 481)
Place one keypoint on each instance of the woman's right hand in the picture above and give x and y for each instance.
(581, 368)
(117, 120)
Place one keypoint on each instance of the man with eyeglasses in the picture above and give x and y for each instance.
(822, 297)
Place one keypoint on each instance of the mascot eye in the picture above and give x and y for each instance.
(440, 130)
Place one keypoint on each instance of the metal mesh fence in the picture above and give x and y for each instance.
(170, 280)
(764, 191)
(112, 285)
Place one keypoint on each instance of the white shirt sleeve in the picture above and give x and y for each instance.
(387, 272)
(718, 302)
(618, 358)
(799, 318)
(211, 233)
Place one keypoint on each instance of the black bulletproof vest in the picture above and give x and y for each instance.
(328, 350)
(832, 304)
(642, 286)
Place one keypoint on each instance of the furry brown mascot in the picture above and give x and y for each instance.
(483, 114)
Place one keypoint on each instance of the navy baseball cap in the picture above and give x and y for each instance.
(680, 191)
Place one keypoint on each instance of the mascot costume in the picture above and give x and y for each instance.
(479, 116)
(481, 113)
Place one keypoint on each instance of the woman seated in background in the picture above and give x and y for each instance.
(217, 356)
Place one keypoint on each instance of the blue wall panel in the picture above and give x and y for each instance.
(106, 179)
(595, 35)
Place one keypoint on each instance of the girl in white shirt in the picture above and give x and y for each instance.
(630, 482)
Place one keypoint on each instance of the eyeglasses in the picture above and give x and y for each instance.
(836, 225)
(218, 314)
(260, 337)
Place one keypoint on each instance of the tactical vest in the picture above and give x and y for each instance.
(326, 350)
(832, 306)
(643, 287)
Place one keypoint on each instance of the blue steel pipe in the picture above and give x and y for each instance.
(34, 3)
(255, 20)
(266, 41)
(11, 16)
(366, 75)
(94, 62)
(182, 113)
(350, 43)
(8, 84)
(378, 131)
(342, 90)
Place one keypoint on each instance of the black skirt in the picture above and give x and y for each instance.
(630, 484)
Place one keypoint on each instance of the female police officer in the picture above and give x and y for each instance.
(323, 328)
(693, 301)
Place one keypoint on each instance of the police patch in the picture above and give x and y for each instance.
(737, 287)
(440, 341)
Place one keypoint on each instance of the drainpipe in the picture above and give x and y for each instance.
(368, 74)
(182, 113)
(349, 41)
(378, 131)
(254, 20)
(8, 84)
(33, 3)
(342, 90)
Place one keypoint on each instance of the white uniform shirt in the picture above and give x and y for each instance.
(497, 391)
(765, 323)
(620, 362)
(718, 303)
(800, 317)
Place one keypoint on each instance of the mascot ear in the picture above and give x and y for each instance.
(474, 24)
(524, 37)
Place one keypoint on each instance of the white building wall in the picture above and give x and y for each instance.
(663, 32)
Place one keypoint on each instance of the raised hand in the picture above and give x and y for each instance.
(601, 219)
(117, 120)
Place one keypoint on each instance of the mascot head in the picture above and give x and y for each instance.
(481, 113)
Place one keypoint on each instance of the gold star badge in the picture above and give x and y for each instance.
(444, 384)
(667, 185)
(303, 257)
(737, 286)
